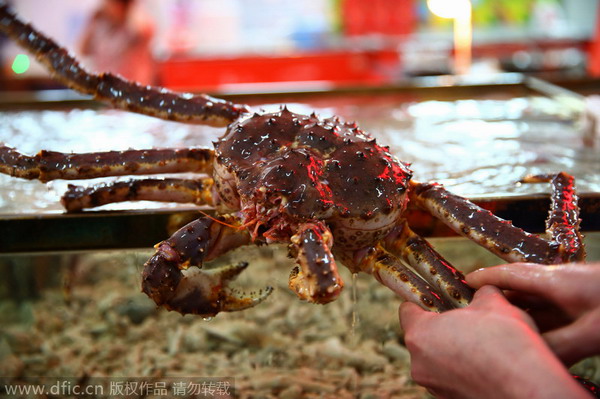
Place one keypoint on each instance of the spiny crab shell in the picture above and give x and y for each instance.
(284, 168)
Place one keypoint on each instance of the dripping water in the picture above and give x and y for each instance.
(354, 338)
(355, 320)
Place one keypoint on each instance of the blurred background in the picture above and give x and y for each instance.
(236, 44)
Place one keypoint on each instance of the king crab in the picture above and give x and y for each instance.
(280, 177)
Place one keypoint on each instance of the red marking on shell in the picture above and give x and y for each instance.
(315, 173)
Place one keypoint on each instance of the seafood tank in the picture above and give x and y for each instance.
(68, 312)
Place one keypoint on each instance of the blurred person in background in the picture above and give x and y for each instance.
(117, 39)
(4, 63)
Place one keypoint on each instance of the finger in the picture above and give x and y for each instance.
(568, 286)
(410, 313)
(490, 299)
(535, 279)
(514, 276)
(488, 296)
(547, 315)
(578, 340)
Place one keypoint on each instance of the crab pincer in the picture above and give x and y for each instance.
(173, 277)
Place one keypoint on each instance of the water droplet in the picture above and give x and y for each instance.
(355, 319)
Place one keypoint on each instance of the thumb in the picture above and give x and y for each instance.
(490, 297)
(410, 313)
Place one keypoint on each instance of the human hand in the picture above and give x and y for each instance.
(562, 299)
(490, 349)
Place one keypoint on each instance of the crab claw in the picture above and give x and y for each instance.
(206, 292)
(172, 277)
(203, 292)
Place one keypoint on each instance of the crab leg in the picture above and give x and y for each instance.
(563, 220)
(392, 273)
(316, 277)
(170, 281)
(195, 191)
(113, 89)
(497, 235)
(429, 264)
(50, 165)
